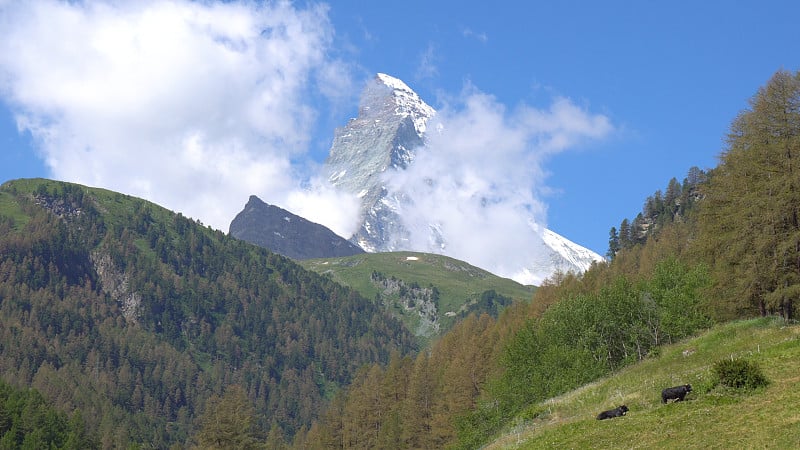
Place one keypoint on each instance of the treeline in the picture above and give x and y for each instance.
(749, 226)
(660, 209)
(136, 317)
(490, 302)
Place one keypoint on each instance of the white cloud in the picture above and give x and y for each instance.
(322, 203)
(194, 105)
(479, 181)
(198, 105)
(481, 37)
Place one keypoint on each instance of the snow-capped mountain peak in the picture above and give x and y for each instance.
(394, 83)
(386, 136)
(577, 256)
(407, 102)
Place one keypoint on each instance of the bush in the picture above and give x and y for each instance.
(739, 374)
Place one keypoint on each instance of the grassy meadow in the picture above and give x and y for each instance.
(459, 284)
(710, 418)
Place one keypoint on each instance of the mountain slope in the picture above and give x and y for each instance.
(136, 316)
(287, 234)
(404, 281)
(709, 418)
(390, 130)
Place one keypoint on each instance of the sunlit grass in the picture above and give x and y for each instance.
(458, 283)
(709, 418)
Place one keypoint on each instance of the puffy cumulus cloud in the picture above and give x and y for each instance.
(475, 190)
(321, 203)
(193, 105)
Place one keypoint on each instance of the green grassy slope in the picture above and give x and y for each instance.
(709, 418)
(460, 284)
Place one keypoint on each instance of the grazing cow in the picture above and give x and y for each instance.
(611, 413)
(676, 393)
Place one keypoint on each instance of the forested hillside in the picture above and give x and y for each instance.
(140, 319)
(722, 245)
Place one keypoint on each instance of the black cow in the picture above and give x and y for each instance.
(611, 413)
(676, 393)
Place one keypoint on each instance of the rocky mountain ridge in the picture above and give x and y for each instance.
(290, 235)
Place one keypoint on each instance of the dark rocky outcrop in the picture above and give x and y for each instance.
(288, 234)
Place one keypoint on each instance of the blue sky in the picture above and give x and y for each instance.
(182, 104)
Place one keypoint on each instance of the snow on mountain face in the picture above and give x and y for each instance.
(390, 125)
(389, 130)
(408, 102)
(573, 254)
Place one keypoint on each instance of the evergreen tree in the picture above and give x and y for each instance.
(625, 240)
(613, 243)
(673, 193)
(135, 315)
(750, 226)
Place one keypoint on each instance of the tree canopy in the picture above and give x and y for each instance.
(750, 224)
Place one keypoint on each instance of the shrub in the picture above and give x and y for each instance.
(739, 374)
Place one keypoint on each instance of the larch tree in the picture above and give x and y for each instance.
(750, 222)
(418, 406)
(228, 422)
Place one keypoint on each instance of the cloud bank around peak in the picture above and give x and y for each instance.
(475, 190)
(198, 105)
(193, 105)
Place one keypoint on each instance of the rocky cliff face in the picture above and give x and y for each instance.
(386, 136)
(285, 233)
(390, 125)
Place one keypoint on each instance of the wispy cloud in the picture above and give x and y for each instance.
(479, 181)
(479, 36)
(426, 68)
(194, 105)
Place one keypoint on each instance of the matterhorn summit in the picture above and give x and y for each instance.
(385, 139)
(389, 127)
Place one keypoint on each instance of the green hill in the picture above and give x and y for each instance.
(139, 318)
(709, 418)
(428, 292)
